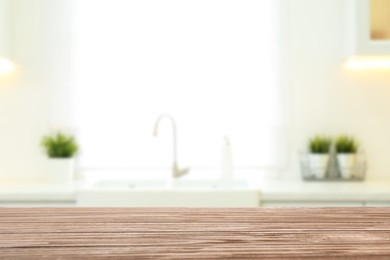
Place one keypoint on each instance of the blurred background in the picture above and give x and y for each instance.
(247, 84)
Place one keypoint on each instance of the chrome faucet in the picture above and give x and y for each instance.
(176, 171)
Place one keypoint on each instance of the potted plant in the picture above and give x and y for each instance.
(346, 149)
(60, 149)
(319, 149)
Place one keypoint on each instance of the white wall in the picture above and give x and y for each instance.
(324, 98)
(4, 26)
(23, 98)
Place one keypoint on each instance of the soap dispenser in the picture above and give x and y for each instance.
(226, 160)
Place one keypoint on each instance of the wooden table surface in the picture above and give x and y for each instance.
(179, 233)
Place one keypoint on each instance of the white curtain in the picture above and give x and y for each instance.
(214, 65)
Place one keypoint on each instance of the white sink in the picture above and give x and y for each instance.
(128, 184)
(210, 184)
(165, 184)
(161, 193)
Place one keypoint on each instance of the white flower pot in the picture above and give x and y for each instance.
(346, 163)
(61, 171)
(318, 164)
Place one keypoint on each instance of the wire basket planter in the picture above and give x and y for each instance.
(334, 169)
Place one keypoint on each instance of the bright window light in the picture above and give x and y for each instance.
(214, 65)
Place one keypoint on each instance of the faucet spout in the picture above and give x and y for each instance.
(176, 171)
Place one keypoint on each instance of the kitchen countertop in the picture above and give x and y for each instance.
(26, 192)
(271, 190)
(317, 191)
(174, 233)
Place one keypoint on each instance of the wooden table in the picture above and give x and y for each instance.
(172, 233)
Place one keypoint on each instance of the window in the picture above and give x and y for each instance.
(214, 65)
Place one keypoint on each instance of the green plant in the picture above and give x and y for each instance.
(346, 144)
(59, 145)
(319, 144)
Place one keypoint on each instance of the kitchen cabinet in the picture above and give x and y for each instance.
(318, 204)
(325, 194)
(378, 204)
(37, 204)
(368, 27)
(310, 204)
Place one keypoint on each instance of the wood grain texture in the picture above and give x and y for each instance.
(173, 233)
